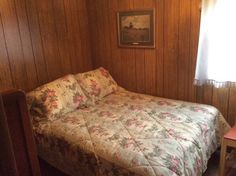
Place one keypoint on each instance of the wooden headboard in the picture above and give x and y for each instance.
(18, 156)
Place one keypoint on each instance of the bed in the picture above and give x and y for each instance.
(127, 133)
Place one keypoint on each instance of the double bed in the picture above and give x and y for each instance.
(127, 133)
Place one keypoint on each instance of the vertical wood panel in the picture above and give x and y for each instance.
(207, 94)
(140, 70)
(157, 71)
(42, 40)
(13, 43)
(184, 49)
(122, 5)
(100, 40)
(26, 43)
(171, 29)
(49, 38)
(115, 53)
(160, 48)
(61, 34)
(131, 62)
(127, 56)
(36, 41)
(5, 71)
(194, 33)
(231, 107)
(106, 31)
(84, 34)
(140, 58)
(220, 100)
(199, 94)
(73, 27)
(94, 33)
(150, 60)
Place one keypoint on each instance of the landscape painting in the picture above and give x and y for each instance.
(136, 28)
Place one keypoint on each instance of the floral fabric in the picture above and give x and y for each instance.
(56, 98)
(132, 134)
(97, 83)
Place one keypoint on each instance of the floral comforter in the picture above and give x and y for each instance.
(132, 134)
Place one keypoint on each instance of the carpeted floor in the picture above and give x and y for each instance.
(213, 167)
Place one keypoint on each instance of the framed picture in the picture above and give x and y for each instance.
(136, 28)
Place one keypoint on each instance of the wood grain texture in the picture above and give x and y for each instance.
(231, 106)
(160, 48)
(5, 70)
(115, 53)
(26, 44)
(154, 71)
(36, 40)
(184, 48)
(20, 138)
(139, 58)
(194, 35)
(7, 159)
(127, 55)
(150, 60)
(42, 40)
(169, 69)
(171, 48)
(12, 39)
(220, 100)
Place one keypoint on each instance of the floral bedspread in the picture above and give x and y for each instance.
(132, 134)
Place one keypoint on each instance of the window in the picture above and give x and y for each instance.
(216, 62)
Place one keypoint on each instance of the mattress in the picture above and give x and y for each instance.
(132, 134)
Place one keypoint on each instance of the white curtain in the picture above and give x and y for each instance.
(216, 61)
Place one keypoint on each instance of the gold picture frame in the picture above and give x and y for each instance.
(136, 28)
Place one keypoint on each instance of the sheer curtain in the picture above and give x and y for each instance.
(216, 61)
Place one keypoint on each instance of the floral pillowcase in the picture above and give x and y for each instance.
(56, 98)
(96, 84)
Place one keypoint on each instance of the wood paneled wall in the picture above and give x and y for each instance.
(41, 40)
(168, 70)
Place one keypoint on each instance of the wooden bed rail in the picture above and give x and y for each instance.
(18, 156)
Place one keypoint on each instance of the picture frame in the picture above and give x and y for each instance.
(136, 28)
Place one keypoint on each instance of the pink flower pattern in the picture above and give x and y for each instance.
(56, 98)
(104, 72)
(148, 133)
(50, 96)
(96, 84)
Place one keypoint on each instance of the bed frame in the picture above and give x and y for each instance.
(18, 156)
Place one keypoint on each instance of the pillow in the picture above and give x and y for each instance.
(96, 83)
(56, 98)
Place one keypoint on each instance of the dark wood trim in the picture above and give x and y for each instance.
(7, 159)
(20, 133)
